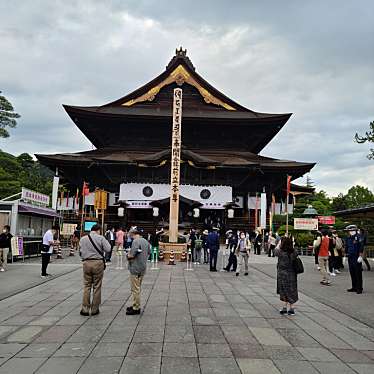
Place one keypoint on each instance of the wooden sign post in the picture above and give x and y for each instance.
(175, 165)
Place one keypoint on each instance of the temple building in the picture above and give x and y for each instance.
(221, 166)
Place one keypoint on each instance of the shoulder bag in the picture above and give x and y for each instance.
(298, 265)
(101, 253)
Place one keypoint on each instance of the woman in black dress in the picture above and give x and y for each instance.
(286, 276)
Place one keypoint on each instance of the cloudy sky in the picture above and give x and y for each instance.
(312, 58)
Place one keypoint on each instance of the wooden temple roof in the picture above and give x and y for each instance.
(196, 158)
(150, 107)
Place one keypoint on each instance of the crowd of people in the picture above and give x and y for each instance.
(96, 250)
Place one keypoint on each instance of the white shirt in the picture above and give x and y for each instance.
(47, 238)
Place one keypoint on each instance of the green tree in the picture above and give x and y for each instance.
(358, 196)
(7, 116)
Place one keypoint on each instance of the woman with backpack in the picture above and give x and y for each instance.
(198, 248)
(287, 276)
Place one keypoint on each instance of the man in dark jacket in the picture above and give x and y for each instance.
(353, 249)
(213, 246)
(5, 247)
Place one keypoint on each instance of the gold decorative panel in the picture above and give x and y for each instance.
(179, 75)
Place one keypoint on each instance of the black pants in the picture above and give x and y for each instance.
(332, 262)
(316, 251)
(258, 248)
(213, 259)
(355, 269)
(271, 250)
(45, 261)
(206, 255)
(108, 256)
(232, 262)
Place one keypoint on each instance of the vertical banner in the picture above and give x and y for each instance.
(55, 192)
(175, 165)
(263, 211)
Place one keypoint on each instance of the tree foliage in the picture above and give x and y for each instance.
(7, 116)
(23, 171)
(368, 137)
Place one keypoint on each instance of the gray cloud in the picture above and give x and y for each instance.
(313, 59)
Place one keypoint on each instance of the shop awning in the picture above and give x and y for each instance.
(31, 209)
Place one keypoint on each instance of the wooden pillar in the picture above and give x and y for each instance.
(175, 165)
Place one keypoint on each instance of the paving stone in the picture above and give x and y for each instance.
(118, 334)
(107, 365)
(39, 350)
(87, 333)
(179, 334)
(25, 334)
(148, 337)
(136, 365)
(298, 338)
(44, 321)
(295, 367)
(7, 330)
(332, 367)
(363, 368)
(214, 350)
(257, 366)
(256, 322)
(248, 351)
(351, 356)
(238, 335)
(74, 350)
(267, 336)
(185, 365)
(218, 365)
(370, 354)
(179, 350)
(56, 334)
(208, 334)
(60, 365)
(144, 349)
(21, 365)
(104, 349)
(357, 341)
(283, 353)
(328, 339)
(317, 354)
(10, 349)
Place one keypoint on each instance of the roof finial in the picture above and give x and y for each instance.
(181, 52)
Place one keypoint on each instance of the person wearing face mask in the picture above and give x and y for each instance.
(354, 253)
(242, 252)
(5, 238)
(47, 248)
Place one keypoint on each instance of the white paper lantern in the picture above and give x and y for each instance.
(230, 213)
(196, 212)
(121, 212)
(155, 212)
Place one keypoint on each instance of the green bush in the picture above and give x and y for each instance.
(303, 239)
(282, 230)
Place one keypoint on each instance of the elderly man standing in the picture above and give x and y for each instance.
(92, 249)
(137, 259)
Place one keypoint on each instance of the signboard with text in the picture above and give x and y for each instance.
(175, 165)
(34, 197)
(310, 224)
(326, 220)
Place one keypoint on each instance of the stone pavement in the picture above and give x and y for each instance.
(193, 322)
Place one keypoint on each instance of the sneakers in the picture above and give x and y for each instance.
(351, 290)
(325, 283)
(95, 313)
(237, 274)
(283, 311)
(245, 273)
(85, 314)
(2, 269)
(291, 312)
(132, 312)
(318, 268)
(359, 292)
(337, 272)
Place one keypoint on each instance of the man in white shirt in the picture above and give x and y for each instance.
(47, 248)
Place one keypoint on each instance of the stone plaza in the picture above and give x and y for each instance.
(193, 322)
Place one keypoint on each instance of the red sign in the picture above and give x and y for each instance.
(326, 220)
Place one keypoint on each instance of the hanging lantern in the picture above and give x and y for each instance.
(155, 212)
(230, 213)
(196, 212)
(121, 212)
